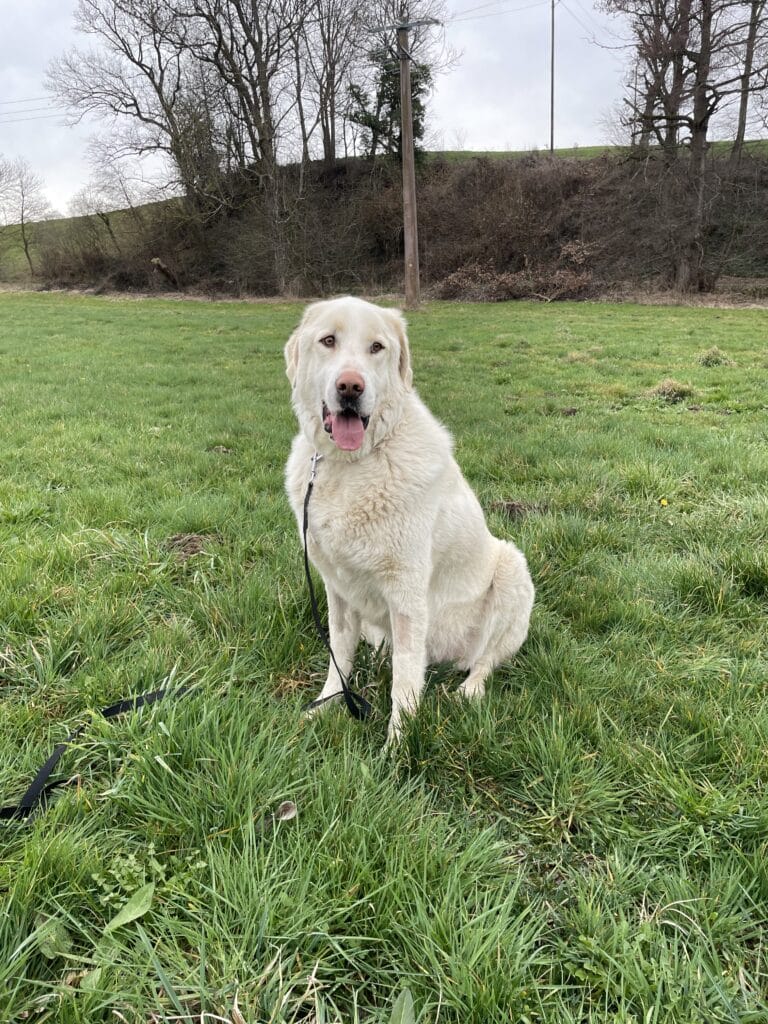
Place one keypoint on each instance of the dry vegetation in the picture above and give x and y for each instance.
(531, 227)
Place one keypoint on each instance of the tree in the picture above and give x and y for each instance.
(378, 112)
(693, 60)
(140, 78)
(333, 43)
(755, 49)
(23, 202)
(227, 91)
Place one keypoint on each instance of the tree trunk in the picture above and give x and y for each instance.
(300, 105)
(25, 243)
(756, 9)
(679, 43)
(277, 225)
(689, 273)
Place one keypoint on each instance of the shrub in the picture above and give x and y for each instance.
(474, 283)
(670, 390)
(714, 357)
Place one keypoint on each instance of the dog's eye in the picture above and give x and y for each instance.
(376, 347)
(328, 341)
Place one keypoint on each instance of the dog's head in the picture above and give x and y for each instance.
(349, 363)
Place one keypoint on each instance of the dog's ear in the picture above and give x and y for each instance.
(291, 352)
(293, 345)
(404, 363)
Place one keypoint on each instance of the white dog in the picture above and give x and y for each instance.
(394, 528)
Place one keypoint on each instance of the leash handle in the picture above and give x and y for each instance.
(38, 790)
(357, 705)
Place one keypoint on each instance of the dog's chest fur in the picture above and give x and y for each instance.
(372, 517)
(357, 517)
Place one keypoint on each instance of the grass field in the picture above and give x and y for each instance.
(590, 843)
(577, 152)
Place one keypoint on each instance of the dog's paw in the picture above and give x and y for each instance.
(394, 735)
(472, 689)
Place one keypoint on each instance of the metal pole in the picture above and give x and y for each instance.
(410, 228)
(552, 82)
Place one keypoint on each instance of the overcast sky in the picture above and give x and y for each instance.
(495, 97)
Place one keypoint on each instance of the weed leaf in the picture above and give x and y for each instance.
(90, 982)
(136, 907)
(53, 939)
(402, 1011)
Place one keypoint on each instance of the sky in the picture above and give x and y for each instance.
(496, 96)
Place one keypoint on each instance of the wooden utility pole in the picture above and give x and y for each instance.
(410, 222)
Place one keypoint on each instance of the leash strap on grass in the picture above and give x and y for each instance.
(357, 705)
(40, 787)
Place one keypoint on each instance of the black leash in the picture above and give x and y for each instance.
(357, 705)
(39, 789)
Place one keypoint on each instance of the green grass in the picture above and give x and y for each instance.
(720, 147)
(570, 152)
(587, 844)
(13, 263)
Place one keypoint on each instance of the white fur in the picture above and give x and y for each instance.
(394, 528)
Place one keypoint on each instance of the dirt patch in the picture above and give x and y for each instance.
(186, 545)
(517, 509)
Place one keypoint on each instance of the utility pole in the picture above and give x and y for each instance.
(410, 221)
(552, 80)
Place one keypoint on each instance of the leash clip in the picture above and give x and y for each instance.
(315, 459)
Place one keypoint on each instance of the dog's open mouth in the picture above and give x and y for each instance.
(346, 428)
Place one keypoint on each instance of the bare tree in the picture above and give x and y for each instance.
(5, 182)
(694, 59)
(755, 54)
(247, 44)
(691, 60)
(121, 181)
(24, 202)
(333, 44)
(93, 201)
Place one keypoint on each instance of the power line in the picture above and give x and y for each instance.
(32, 99)
(28, 110)
(589, 16)
(495, 14)
(23, 120)
(587, 29)
(471, 10)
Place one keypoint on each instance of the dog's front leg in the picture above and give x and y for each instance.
(408, 619)
(344, 634)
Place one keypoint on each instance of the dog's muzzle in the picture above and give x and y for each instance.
(346, 427)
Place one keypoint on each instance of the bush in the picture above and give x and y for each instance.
(714, 357)
(671, 391)
(474, 283)
(530, 227)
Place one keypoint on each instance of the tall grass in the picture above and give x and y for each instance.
(587, 844)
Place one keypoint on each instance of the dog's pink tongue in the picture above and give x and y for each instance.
(347, 432)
